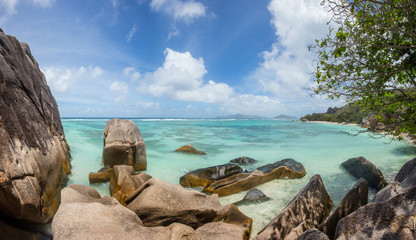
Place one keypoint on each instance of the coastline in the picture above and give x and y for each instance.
(336, 123)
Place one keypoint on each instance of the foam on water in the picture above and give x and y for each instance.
(321, 148)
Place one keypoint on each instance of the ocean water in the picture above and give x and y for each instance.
(321, 148)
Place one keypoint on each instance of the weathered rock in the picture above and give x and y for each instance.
(354, 199)
(313, 234)
(124, 182)
(243, 161)
(287, 168)
(235, 225)
(124, 145)
(159, 203)
(103, 175)
(300, 229)
(189, 149)
(311, 204)
(205, 176)
(81, 216)
(391, 219)
(404, 180)
(34, 156)
(360, 167)
(10, 232)
(253, 196)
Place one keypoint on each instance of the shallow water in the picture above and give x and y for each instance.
(321, 148)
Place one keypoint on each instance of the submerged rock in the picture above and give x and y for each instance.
(287, 168)
(253, 196)
(124, 145)
(243, 161)
(308, 208)
(34, 155)
(189, 149)
(354, 199)
(206, 176)
(360, 167)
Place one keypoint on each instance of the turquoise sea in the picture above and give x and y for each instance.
(321, 148)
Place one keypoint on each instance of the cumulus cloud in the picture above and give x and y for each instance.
(147, 105)
(181, 78)
(286, 67)
(186, 11)
(121, 90)
(253, 104)
(132, 73)
(131, 33)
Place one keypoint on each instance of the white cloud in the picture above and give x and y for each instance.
(44, 3)
(96, 72)
(186, 11)
(253, 105)
(181, 78)
(131, 73)
(147, 105)
(130, 35)
(285, 70)
(121, 90)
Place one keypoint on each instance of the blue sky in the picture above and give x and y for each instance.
(173, 58)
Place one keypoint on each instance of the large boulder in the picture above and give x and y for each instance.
(205, 176)
(360, 167)
(85, 215)
(124, 181)
(390, 219)
(34, 155)
(308, 208)
(189, 149)
(354, 199)
(404, 180)
(286, 168)
(124, 145)
(159, 203)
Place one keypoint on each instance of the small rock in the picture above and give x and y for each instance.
(189, 149)
(313, 234)
(243, 161)
(253, 196)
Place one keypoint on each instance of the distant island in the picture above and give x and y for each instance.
(239, 116)
(286, 117)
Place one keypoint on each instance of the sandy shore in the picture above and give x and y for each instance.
(336, 123)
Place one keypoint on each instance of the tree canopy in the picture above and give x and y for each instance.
(369, 56)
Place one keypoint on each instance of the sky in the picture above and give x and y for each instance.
(173, 58)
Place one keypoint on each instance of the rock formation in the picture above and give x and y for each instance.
(103, 175)
(124, 145)
(243, 181)
(313, 234)
(189, 149)
(354, 199)
(205, 176)
(360, 167)
(34, 156)
(308, 208)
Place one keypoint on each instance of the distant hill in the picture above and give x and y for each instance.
(282, 116)
(350, 113)
(239, 116)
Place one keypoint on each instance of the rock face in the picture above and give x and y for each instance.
(159, 203)
(189, 149)
(391, 219)
(243, 181)
(354, 199)
(313, 234)
(34, 156)
(205, 176)
(360, 167)
(124, 182)
(253, 196)
(84, 215)
(243, 161)
(124, 145)
(309, 208)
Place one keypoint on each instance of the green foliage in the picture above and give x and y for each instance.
(370, 57)
(350, 113)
